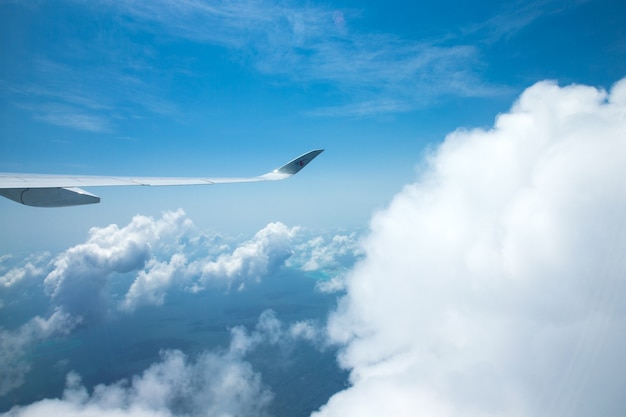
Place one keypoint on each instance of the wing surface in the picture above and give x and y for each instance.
(61, 190)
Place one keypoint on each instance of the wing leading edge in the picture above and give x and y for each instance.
(62, 191)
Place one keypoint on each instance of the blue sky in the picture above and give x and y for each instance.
(456, 250)
(229, 88)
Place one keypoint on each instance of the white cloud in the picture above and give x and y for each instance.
(330, 254)
(266, 251)
(250, 261)
(213, 385)
(492, 286)
(4, 259)
(15, 345)
(151, 284)
(80, 273)
(335, 284)
(270, 330)
(16, 275)
(310, 331)
(34, 267)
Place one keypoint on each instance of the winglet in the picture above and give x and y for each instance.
(294, 166)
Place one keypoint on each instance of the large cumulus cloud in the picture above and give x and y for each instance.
(494, 285)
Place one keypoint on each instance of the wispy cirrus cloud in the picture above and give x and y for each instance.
(371, 72)
(515, 17)
(72, 117)
(90, 100)
(60, 99)
(93, 83)
(374, 72)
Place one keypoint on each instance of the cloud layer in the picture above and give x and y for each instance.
(213, 384)
(492, 286)
(317, 44)
(164, 253)
(122, 268)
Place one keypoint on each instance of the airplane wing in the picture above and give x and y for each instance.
(40, 190)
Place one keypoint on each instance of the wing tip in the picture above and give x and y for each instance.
(295, 165)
